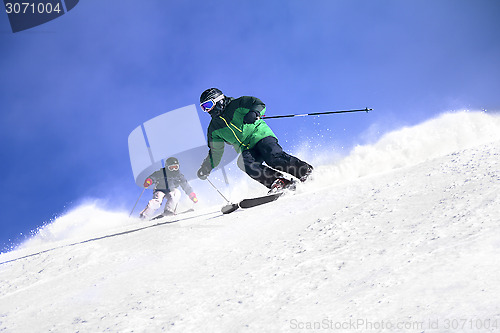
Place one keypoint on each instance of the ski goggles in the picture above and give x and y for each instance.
(173, 167)
(207, 106)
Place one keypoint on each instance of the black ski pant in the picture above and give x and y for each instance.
(268, 150)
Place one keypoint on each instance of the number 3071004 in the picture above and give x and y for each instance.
(31, 8)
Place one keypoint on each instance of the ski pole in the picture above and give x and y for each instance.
(136, 202)
(229, 207)
(222, 195)
(314, 113)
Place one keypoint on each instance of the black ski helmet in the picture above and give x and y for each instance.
(171, 161)
(210, 94)
(213, 93)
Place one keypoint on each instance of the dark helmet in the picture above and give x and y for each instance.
(210, 94)
(215, 96)
(172, 164)
(171, 161)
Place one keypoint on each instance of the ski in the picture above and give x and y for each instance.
(250, 202)
(162, 216)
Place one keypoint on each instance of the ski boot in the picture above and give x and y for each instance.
(281, 184)
(167, 212)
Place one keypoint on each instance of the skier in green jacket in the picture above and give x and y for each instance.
(238, 122)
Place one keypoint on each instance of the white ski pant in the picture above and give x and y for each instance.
(172, 197)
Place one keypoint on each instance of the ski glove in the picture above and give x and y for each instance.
(148, 182)
(193, 197)
(251, 117)
(203, 172)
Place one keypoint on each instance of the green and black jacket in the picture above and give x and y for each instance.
(229, 128)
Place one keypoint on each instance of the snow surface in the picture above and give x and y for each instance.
(401, 235)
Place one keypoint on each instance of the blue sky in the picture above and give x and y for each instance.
(73, 89)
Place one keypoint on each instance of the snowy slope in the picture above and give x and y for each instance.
(402, 235)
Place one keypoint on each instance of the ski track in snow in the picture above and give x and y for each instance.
(414, 241)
